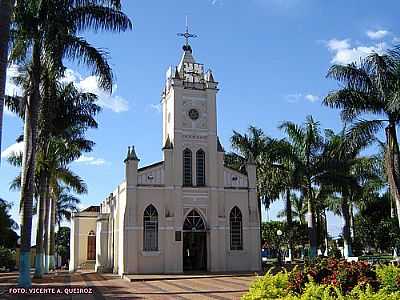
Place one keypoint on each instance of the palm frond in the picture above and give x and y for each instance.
(80, 50)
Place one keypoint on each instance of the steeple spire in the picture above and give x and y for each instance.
(187, 35)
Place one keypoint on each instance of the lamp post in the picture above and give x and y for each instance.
(279, 234)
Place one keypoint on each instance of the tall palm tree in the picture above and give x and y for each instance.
(350, 171)
(306, 155)
(251, 143)
(65, 115)
(49, 30)
(369, 98)
(5, 21)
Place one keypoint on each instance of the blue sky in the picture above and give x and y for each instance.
(269, 56)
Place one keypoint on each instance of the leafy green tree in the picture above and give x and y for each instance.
(8, 236)
(272, 240)
(62, 243)
(49, 31)
(375, 229)
(368, 98)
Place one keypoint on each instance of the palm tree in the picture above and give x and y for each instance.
(48, 30)
(61, 124)
(350, 171)
(5, 20)
(60, 180)
(67, 203)
(254, 144)
(306, 155)
(368, 98)
(298, 209)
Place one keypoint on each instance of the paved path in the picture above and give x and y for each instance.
(107, 287)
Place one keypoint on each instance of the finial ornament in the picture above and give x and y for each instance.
(131, 154)
(187, 35)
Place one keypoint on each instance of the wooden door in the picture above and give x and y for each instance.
(91, 247)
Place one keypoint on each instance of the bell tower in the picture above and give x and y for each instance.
(189, 116)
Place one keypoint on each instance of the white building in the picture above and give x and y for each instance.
(187, 212)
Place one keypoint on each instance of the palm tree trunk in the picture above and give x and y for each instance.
(39, 266)
(392, 206)
(52, 233)
(351, 213)
(311, 224)
(393, 165)
(28, 168)
(5, 18)
(289, 223)
(326, 252)
(46, 231)
(346, 226)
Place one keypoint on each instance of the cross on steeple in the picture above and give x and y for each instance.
(187, 35)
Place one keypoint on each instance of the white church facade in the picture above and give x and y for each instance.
(186, 213)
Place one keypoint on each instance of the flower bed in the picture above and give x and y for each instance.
(329, 279)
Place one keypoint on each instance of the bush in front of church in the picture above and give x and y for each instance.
(329, 279)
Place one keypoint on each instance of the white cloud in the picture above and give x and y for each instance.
(12, 149)
(344, 53)
(377, 35)
(335, 44)
(90, 160)
(311, 98)
(11, 88)
(297, 97)
(89, 84)
(396, 40)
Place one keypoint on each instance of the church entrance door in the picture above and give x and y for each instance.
(194, 243)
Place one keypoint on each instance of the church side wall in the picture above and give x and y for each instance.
(165, 259)
(247, 259)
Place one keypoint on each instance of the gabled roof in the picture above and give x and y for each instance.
(93, 208)
(151, 166)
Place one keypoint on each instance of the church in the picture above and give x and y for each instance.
(186, 213)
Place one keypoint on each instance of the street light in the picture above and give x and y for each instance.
(279, 234)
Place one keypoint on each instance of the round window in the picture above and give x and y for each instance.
(193, 114)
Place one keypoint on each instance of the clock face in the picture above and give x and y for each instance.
(193, 114)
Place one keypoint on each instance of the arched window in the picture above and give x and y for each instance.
(187, 167)
(194, 222)
(236, 229)
(150, 229)
(200, 168)
(91, 246)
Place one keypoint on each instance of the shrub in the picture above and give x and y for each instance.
(337, 273)
(7, 259)
(269, 287)
(328, 280)
(389, 277)
(367, 293)
(313, 290)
